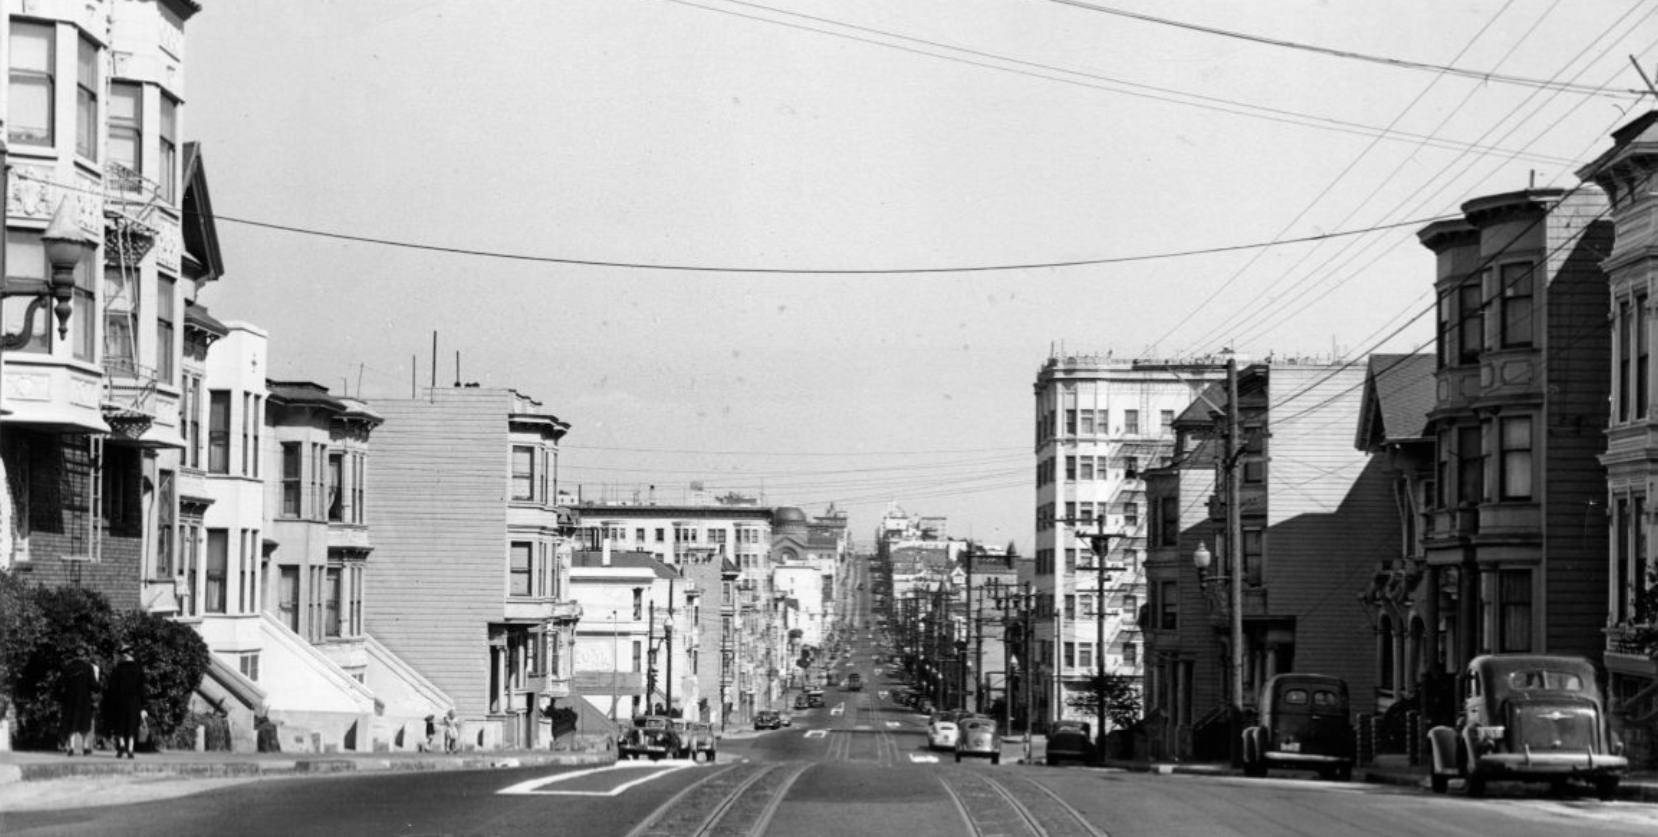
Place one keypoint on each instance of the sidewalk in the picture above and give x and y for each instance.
(44, 780)
(1388, 770)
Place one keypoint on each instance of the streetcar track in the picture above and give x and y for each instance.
(991, 807)
(670, 818)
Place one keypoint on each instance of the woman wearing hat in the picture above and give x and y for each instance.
(124, 702)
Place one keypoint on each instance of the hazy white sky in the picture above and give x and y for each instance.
(857, 135)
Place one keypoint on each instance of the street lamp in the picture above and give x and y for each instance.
(65, 248)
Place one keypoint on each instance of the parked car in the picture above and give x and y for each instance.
(652, 736)
(1531, 718)
(942, 730)
(768, 719)
(814, 697)
(700, 740)
(854, 682)
(976, 736)
(1070, 741)
(1305, 724)
(800, 701)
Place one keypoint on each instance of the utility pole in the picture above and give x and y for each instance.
(979, 680)
(968, 612)
(650, 658)
(1030, 667)
(1234, 548)
(668, 647)
(1101, 544)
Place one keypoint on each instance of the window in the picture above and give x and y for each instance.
(1168, 606)
(1131, 422)
(336, 487)
(661, 535)
(523, 472)
(1514, 597)
(1516, 296)
(166, 326)
(86, 100)
(1085, 470)
(166, 514)
(359, 477)
(218, 431)
(1254, 556)
(166, 174)
(1070, 469)
(1643, 354)
(518, 569)
(319, 481)
(191, 410)
(1167, 531)
(1131, 468)
(1070, 655)
(1625, 342)
(292, 479)
(126, 131)
(1085, 655)
(639, 535)
(26, 266)
(83, 323)
(248, 665)
(1087, 422)
(638, 603)
(1515, 441)
(1131, 515)
(287, 598)
(1471, 325)
(1131, 654)
(218, 567)
(1447, 331)
(1470, 466)
(1071, 422)
(29, 119)
(1165, 420)
(120, 312)
(333, 592)
(1070, 606)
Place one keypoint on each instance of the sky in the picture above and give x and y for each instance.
(817, 251)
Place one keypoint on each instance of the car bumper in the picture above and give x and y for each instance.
(1304, 758)
(1552, 764)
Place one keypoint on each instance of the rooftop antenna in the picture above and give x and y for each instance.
(1645, 79)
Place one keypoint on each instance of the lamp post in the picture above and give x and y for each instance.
(1201, 559)
(65, 248)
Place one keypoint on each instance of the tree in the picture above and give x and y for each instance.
(21, 627)
(72, 618)
(1120, 693)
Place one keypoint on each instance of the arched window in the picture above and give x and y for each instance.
(1384, 653)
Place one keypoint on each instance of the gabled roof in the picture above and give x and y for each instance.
(201, 236)
(1398, 395)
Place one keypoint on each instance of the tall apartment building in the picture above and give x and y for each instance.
(472, 557)
(1100, 422)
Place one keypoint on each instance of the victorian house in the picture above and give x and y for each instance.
(1515, 538)
(1258, 507)
(1625, 174)
(102, 259)
(472, 553)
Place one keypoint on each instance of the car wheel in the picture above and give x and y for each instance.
(1476, 786)
(996, 758)
(1606, 789)
(1439, 782)
(1255, 769)
(958, 758)
(710, 756)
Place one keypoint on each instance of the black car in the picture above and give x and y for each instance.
(652, 736)
(800, 701)
(768, 719)
(1069, 741)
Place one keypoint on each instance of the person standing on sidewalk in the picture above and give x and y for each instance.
(124, 702)
(451, 732)
(76, 695)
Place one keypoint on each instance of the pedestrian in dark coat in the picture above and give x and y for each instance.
(124, 703)
(77, 692)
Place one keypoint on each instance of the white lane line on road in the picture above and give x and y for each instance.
(895, 723)
(837, 708)
(535, 787)
(923, 758)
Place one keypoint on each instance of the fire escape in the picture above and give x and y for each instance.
(130, 202)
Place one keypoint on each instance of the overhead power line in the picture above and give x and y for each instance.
(800, 271)
(1478, 75)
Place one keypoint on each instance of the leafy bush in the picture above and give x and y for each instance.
(42, 627)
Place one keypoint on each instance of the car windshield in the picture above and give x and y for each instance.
(1552, 680)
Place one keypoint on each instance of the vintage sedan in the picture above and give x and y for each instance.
(1530, 718)
(700, 740)
(1305, 724)
(1070, 741)
(976, 737)
(768, 719)
(652, 736)
(942, 730)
